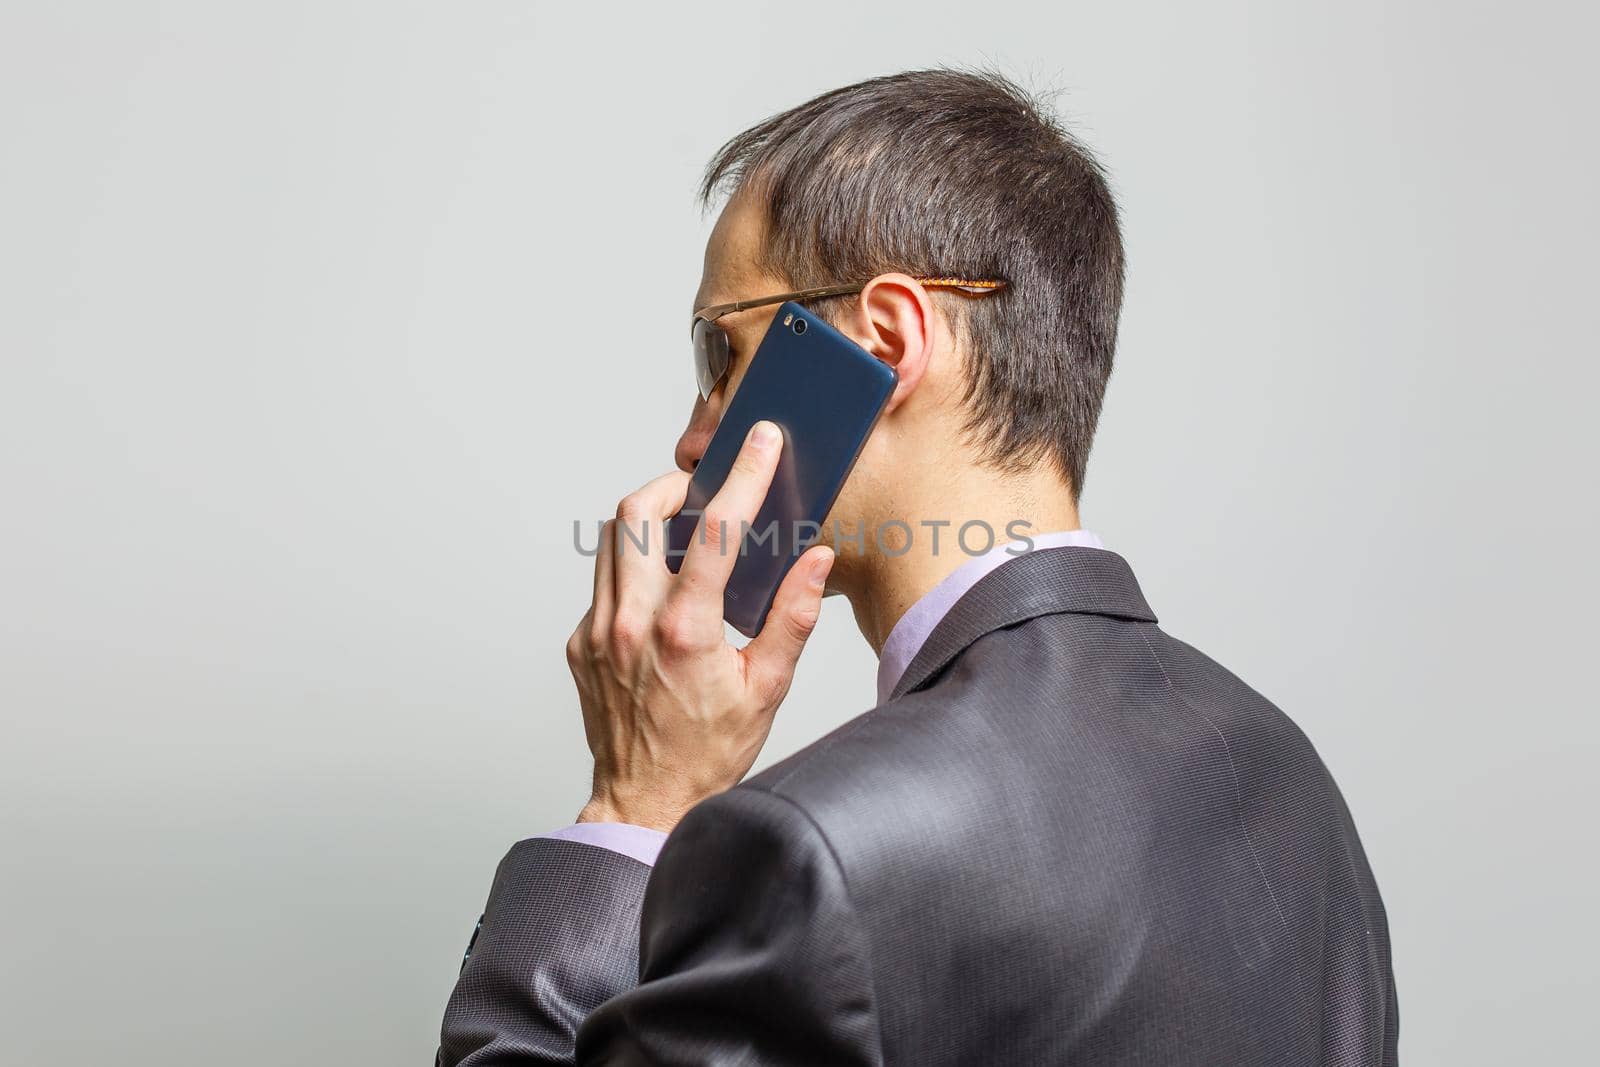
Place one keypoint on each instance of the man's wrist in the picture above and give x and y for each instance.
(651, 814)
(599, 811)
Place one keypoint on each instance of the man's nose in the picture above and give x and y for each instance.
(697, 435)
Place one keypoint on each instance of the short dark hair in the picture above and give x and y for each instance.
(953, 172)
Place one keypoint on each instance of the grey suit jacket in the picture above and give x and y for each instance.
(1066, 838)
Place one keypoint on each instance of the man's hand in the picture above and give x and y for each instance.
(673, 712)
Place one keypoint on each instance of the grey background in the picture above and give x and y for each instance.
(322, 321)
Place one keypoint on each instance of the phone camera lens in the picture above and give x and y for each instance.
(798, 326)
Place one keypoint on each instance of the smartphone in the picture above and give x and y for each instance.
(825, 392)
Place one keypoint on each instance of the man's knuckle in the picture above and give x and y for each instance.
(675, 630)
(625, 633)
(801, 623)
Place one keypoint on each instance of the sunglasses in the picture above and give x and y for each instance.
(711, 347)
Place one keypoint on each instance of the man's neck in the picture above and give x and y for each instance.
(883, 587)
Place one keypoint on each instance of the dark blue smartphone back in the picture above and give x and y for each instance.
(825, 393)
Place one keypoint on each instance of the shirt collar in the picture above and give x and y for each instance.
(909, 634)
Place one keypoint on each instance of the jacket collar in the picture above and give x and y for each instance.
(1047, 581)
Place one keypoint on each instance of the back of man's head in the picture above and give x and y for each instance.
(955, 173)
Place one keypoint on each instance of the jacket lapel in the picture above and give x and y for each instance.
(1046, 581)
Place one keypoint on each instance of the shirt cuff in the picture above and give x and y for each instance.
(637, 842)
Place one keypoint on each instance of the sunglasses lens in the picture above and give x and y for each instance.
(710, 356)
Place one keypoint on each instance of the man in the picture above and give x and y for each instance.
(1061, 835)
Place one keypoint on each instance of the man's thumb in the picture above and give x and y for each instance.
(775, 651)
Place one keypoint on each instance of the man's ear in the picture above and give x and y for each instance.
(894, 320)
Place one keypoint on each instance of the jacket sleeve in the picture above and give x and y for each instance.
(750, 952)
(559, 936)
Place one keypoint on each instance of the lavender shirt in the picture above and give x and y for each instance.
(899, 649)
